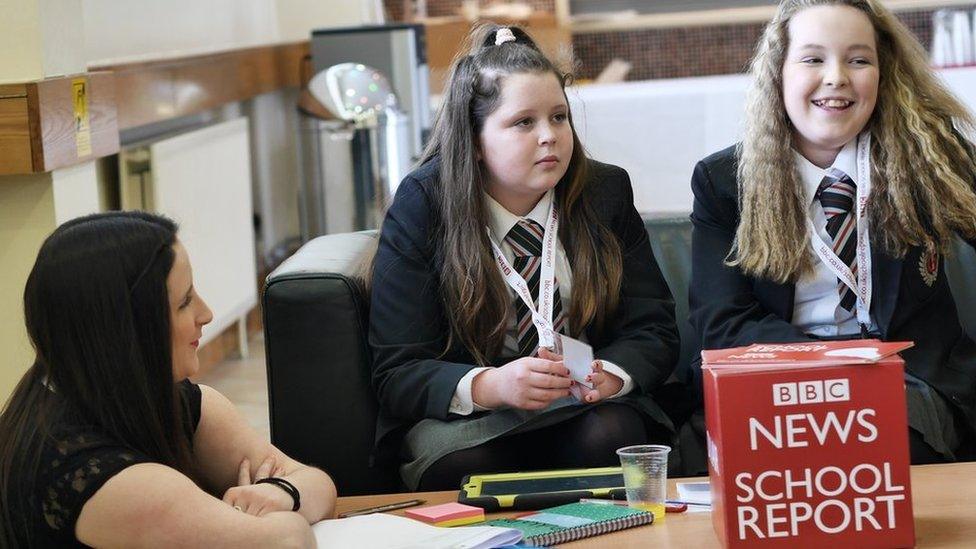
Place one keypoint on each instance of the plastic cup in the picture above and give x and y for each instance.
(645, 470)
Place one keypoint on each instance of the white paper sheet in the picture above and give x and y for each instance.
(578, 358)
(383, 531)
(695, 493)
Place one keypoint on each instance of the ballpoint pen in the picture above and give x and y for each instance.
(599, 501)
(383, 508)
(699, 504)
(671, 505)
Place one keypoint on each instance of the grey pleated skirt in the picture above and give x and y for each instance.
(930, 415)
(431, 439)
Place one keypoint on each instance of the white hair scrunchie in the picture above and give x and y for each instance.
(503, 35)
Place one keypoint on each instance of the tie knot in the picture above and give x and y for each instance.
(525, 238)
(837, 192)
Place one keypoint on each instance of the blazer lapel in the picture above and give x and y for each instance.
(885, 274)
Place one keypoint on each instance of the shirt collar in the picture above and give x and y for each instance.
(811, 175)
(501, 220)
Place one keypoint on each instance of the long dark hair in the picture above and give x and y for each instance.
(476, 297)
(96, 308)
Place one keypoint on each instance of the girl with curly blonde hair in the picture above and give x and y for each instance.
(831, 219)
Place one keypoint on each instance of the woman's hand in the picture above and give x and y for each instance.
(526, 383)
(258, 499)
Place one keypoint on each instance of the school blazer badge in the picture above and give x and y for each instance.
(928, 265)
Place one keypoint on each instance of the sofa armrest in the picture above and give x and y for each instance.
(322, 407)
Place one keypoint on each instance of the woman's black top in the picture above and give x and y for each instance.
(77, 461)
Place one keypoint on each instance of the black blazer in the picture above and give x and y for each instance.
(730, 309)
(409, 327)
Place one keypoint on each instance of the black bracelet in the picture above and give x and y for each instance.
(286, 486)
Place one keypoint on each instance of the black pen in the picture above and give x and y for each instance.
(383, 508)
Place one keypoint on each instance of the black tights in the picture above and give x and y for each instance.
(587, 440)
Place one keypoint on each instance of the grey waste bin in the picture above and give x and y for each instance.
(352, 163)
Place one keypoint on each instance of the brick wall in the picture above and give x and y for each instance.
(439, 8)
(693, 51)
(669, 52)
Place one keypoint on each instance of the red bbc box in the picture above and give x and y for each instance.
(808, 445)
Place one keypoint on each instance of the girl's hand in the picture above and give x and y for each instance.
(258, 499)
(526, 383)
(545, 353)
(605, 384)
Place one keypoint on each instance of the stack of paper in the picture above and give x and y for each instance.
(381, 531)
(694, 492)
(697, 495)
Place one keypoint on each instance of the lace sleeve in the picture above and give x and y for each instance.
(78, 461)
(74, 469)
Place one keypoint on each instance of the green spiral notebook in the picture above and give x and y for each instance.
(573, 521)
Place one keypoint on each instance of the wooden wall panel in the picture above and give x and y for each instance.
(37, 119)
(15, 144)
(154, 91)
(446, 35)
(143, 97)
(58, 147)
(37, 123)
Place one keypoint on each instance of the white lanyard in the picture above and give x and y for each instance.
(541, 317)
(861, 284)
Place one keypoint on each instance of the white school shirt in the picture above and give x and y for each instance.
(816, 302)
(501, 222)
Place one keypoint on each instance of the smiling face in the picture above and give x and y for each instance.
(830, 79)
(525, 145)
(187, 315)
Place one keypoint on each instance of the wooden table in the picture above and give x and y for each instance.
(943, 499)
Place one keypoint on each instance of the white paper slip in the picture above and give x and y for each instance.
(578, 357)
(382, 531)
(694, 492)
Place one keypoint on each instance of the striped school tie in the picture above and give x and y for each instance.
(525, 238)
(837, 192)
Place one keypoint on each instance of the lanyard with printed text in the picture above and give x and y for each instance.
(541, 317)
(860, 284)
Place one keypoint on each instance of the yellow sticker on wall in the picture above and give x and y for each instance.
(79, 97)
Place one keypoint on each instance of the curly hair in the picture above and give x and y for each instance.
(923, 167)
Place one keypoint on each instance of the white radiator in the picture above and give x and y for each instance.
(202, 180)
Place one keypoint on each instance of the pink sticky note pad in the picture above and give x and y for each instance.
(443, 512)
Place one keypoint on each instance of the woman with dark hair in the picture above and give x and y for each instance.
(105, 442)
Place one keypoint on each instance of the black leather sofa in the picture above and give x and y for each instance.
(321, 406)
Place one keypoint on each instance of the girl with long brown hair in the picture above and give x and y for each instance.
(504, 235)
(832, 217)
